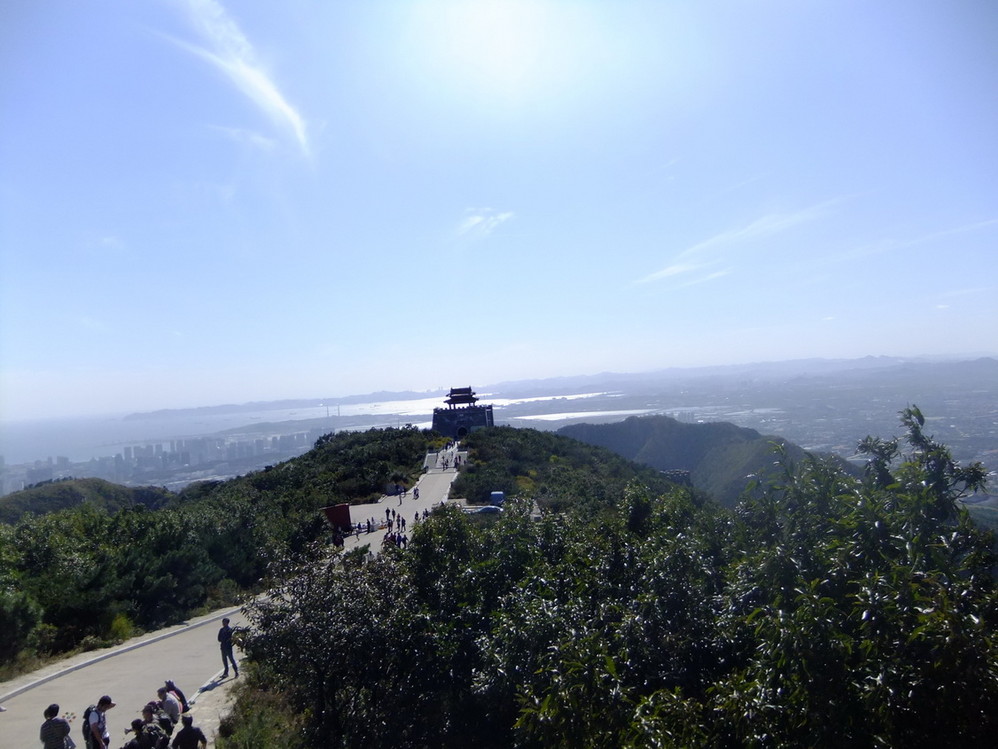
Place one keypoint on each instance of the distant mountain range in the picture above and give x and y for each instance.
(759, 372)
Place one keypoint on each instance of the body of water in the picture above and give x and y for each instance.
(83, 438)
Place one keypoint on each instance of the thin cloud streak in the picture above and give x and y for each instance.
(247, 137)
(232, 53)
(481, 222)
(765, 226)
(889, 244)
(705, 279)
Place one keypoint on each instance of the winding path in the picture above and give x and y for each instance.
(187, 653)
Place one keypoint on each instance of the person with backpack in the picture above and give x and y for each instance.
(95, 734)
(157, 722)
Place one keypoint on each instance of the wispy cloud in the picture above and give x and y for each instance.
(228, 49)
(890, 244)
(247, 137)
(479, 223)
(708, 253)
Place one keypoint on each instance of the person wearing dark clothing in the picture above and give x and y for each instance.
(181, 697)
(54, 730)
(189, 737)
(225, 641)
(156, 726)
(139, 740)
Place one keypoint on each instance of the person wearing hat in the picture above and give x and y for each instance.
(153, 720)
(54, 730)
(99, 738)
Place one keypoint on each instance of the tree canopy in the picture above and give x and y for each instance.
(826, 610)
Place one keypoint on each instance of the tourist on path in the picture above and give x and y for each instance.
(140, 740)
(169, 704)
(225, 641)
(55, 730)
(181, 697)
(189, 737)
(155, 724)
(97, 735)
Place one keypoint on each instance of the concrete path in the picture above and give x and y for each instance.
(187, 653)
(130, 673)
(433, 485)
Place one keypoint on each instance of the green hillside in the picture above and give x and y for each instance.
(85, 563)
(722, 459)
(61, 495)
(553, 471)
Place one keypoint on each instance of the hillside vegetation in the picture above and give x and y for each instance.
(722, 458)
(829, 610)
(52, 496)
(553, 471)
(105, 563)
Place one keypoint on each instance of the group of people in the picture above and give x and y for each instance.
(394, 520)
(396, 525)
(398, 539)
(449, 452)
(154, 730)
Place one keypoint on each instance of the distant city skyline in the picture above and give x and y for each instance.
(207, 202)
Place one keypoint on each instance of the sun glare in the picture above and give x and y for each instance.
(498, 41)
(510, 48)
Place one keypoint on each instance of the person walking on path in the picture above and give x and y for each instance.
(54, 733)
(225, 641)
(189, 737)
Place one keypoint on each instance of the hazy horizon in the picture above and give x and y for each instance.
(485, 390)
(207, 202)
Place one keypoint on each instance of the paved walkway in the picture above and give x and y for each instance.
(186, 653)
(433, 485)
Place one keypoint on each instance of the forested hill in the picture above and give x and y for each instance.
(52, 496)
(85, 563)
(722, 458)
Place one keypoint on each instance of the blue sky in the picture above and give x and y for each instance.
(211, 201)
